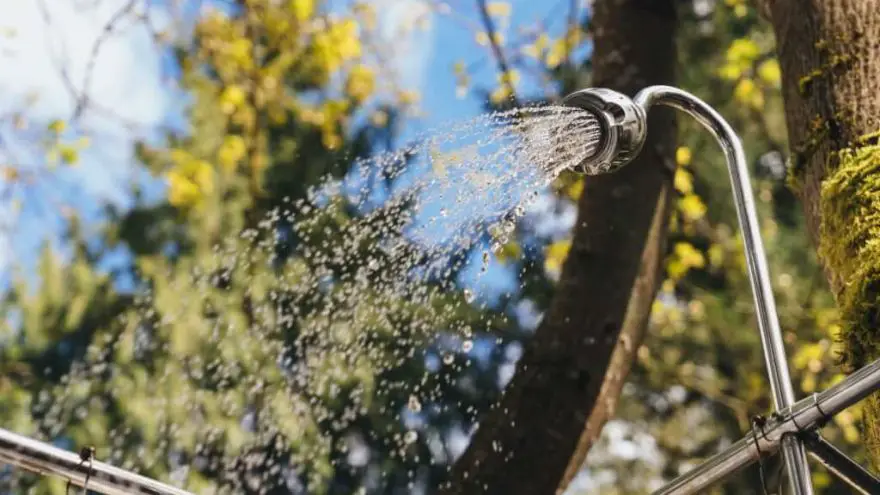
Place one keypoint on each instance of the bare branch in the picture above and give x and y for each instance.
(500, 59)
(96, 48)
(572, 22)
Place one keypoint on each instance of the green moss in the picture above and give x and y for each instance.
(819, 130)
(806, 82)
(835, 61)
(872, 138)
(850, 248)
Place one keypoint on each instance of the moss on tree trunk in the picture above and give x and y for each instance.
(829, 51)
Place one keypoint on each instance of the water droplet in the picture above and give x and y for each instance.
(414, 405)
(410, 437)
(469, 296)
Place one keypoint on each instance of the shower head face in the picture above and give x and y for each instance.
(623, 128)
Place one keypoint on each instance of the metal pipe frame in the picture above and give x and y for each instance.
(847, 470)
(759, 275)
(43, 458)
(805, 415)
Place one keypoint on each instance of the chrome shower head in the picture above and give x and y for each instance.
(622, 124)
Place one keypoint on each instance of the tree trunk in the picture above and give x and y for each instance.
(829, 51)
(635, 325)
(525, 444)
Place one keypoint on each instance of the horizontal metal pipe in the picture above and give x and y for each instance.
(848, 470)
(805, 415)
(42, 458)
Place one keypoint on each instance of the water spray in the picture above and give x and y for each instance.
(792, 427)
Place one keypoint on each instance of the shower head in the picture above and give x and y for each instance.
(622, 124)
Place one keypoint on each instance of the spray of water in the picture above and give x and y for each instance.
(364, 288)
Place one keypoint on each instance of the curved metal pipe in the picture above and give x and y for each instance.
(759, 275)
(623, 121)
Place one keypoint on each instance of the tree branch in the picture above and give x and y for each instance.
(500, 59)
(93, 56)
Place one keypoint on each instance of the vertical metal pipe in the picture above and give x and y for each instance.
(846, 469)
(759, 275)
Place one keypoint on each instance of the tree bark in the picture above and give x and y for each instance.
(829, 51)
(525, 444)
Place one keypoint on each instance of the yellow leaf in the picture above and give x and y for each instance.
(361, 83)
(730, 72)
(747, 92)
(345, 35)
(716, 255)
(808, 383)
(68, 154)
(182, 192)
(331, 139)
(57, 126)
(302, 9)
(575, 189)
(498, 9)
(231, 151)
(556, 54)
(542, 42)
(683, 181)
(683, 156)
(675, 269)
(408, 97)
(509, 251)
(336, 45)
(692, 207)
(510, 77)
(741, 10)
(189, 182)
(232, 98)
(689, 256)
(240, 51)
(769, 72)
(555, 254)
(499, 95)
(742, 51)
(482, 38)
